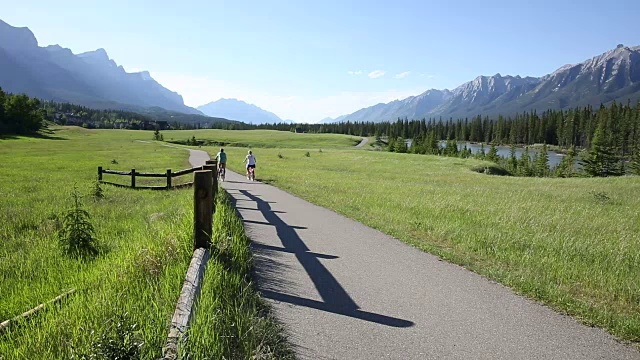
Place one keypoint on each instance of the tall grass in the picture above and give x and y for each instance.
(231, 321)
(125, 296)
(144, 239)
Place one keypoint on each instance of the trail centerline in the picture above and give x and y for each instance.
(347, 291)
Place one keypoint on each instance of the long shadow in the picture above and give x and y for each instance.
(246, 208)
(268, 223)
(266, 248)
(46, 134)
(335, 298)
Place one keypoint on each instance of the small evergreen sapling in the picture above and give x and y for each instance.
(76, 237)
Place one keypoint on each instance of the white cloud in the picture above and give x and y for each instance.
(198, 91)
(359, 72)
(376, 74)
(402, 75)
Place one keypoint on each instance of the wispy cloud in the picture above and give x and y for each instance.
(376, 74)
(359, 72)
(402, 75)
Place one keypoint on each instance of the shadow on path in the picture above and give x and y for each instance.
(335, 299)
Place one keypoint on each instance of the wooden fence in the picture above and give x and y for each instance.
(205, 189)
(168, 175)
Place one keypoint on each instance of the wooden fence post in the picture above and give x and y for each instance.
(168, 179)
(99, 173)
(215, 179)
(133, 178)
(203, 208)
(212, 168)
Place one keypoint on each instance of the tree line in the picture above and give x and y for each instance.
(19, 114)
(609, 138)
(63, 113)
(564, 128)
(606, 140)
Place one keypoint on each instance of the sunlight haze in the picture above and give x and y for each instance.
(306, 61)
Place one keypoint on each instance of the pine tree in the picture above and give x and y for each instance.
(566, 166)
(542, 164)
(493, 153)
(512, 164)
(635, 161)
(392, 145)
(481, 153)
(415, 146)
(601, 160)
(3, 97)
(524, 167)
(401, 145)
(432, 146)
(465, 152)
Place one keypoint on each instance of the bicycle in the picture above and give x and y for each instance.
(222, 171)
(252, 173)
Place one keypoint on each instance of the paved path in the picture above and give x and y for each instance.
(363, 142)
(346, 291)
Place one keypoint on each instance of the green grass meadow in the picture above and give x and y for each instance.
(126, 296)
(573, 244)
(265, 138)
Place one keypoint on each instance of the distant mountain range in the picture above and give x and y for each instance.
(90, 79)
(614, 75)
(234, 109)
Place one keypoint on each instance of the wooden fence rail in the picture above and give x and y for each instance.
(203, 206)
(205, 189)
(133, 174)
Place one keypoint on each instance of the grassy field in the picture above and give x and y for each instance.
(125, 297)
(265, 138)
(571, 243)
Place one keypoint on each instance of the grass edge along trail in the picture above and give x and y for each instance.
(231, 321)
(573, 244)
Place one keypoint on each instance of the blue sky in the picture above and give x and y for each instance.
(308, 60)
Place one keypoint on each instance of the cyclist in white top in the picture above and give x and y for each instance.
(250, 160)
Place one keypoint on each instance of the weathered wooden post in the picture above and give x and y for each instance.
(99, 173)
(212, 168)
(215, 179)
(133, 178)
(203, 208)
(168, 179)
(215, 176)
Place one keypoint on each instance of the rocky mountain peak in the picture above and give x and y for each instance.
(17, 38)
(98, 54)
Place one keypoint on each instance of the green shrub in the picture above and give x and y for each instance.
(120, 339)
(492, 169)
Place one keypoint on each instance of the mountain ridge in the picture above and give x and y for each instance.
(235, 109)
(90, 78)
(611, 76)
